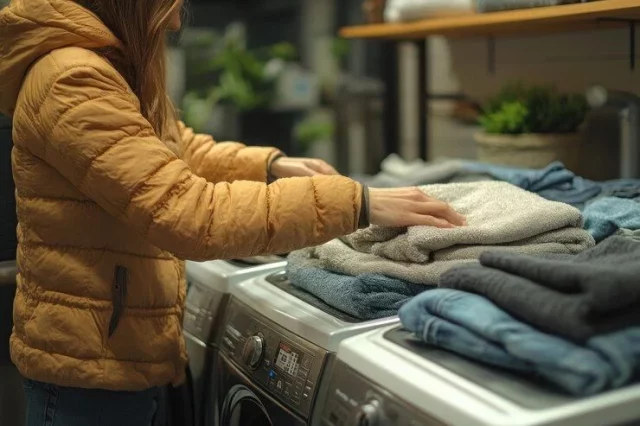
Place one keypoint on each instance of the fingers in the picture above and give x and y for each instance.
(303, 171)
(426, 220)
(441, 210)
(424, 204)
(320, 167)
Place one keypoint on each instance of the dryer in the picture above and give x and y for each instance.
(209, 284)
(278, 346)
(388, 378)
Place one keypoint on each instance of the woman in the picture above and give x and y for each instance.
(112, 191)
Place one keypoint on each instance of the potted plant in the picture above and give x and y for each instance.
(314, 136)
(531, 127)
(233, 80)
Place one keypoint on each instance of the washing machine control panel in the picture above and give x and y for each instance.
(286, 366)
(353, 400)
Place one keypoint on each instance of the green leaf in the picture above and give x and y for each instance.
(520, 109)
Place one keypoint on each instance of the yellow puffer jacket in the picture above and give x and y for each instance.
(106, 210)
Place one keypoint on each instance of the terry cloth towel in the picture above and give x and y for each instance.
(366, 297)
(628, 233)
(621, 188)
(604, 216)
(575, 296)
(411, 10)
(396, 172)
(554, 182)
(472, 326)
(497, 214)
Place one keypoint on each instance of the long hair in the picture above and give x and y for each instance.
(142, 26)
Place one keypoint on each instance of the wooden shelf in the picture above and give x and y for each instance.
(574, 17)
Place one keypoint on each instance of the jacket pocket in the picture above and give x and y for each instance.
(118, 296)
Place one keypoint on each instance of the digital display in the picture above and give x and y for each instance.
(287, 360)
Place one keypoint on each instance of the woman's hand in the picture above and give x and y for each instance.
(285, 167)
(399, 207)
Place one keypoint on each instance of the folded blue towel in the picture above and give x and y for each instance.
(554, 182)
(472, 326)
(605, 216)
(367, 296)
(621, 188)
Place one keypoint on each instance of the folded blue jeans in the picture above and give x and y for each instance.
(49, 405)
(472, 326)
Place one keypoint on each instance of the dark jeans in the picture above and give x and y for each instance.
(49, 405)
(7, 294)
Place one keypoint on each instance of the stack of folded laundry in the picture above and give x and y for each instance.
(607, 207)
(499, 216)
(523, 286)
(573, 320)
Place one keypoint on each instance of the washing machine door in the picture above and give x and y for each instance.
(242, 407)
(243, 403)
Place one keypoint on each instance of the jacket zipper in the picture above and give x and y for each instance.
(118, 296)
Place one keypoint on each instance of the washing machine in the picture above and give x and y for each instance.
(209, 284)
(279, 344)
(388, 378)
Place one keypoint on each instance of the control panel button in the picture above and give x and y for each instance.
(233, 332)
(306, 393)
(229, 343)
(253, 351)
(307, 360)
(288, 386)
(279, 385)
(303, 374)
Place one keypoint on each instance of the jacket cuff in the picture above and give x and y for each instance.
(363, 220)
(270, 177)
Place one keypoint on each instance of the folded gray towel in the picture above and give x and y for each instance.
(500, 216)
(497, 213)
(628, 233)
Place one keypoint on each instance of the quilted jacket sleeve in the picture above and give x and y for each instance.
(96, 137)
(224, 161)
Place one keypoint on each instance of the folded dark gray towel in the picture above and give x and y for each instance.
(575, 296)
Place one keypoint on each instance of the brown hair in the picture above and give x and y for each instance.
(142, 26)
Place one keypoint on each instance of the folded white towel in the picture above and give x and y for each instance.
(411, 10)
